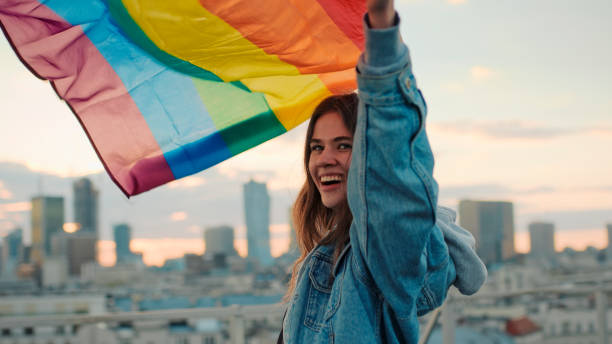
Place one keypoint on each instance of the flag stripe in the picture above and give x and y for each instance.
(134, 32)
(199, 37)
(230, 115)
(347, 14)
(303, 36)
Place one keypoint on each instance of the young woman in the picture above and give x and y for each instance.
(376, 250)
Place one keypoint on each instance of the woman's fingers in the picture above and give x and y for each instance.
(381, 13)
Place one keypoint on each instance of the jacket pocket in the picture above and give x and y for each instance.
(320, 291)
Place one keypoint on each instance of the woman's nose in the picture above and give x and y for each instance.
(328, 157)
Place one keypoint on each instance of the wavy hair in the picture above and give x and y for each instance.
(312, 220)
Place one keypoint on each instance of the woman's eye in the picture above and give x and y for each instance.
(344, 146)
(316, 148)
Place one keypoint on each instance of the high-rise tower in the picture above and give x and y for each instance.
(492, 224)
(122, 233)
(86, 205)
(257, 215)
(542, 238)
(47, 220)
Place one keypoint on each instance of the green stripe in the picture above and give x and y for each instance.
(243, 119)
(133, 31)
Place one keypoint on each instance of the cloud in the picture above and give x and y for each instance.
(456, 2)
(490, 191)
(187, 182)
(573, 219)
(15, 207)
(481, 73)
(4, 192)
(178, 216)
(453, 87)
(515, 129)
(194, 229)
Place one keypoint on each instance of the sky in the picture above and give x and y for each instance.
(520, 109)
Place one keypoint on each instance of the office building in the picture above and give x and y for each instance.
(122, 233)
(492, 224)
(47, 217)
(542, 238)
(12, 245)
(219, 240)
(75, 248)
(85, 205)
(257, 215)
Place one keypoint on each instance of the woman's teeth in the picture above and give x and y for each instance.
(327, 180)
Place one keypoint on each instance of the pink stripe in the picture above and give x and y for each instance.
(61, 53)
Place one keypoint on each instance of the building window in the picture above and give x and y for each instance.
(6, 332)
(208, 340)
(28, 331)
(591, 327)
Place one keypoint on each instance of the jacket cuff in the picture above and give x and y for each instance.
(383, 46)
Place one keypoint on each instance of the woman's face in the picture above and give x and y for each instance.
(330, 157)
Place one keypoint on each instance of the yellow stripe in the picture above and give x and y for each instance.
(188, 31)
(292, 98)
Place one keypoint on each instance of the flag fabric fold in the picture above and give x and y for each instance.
(167, 89)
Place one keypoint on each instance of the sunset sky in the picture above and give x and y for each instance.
(520, 109)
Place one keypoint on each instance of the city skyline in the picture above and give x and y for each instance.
(519, 110)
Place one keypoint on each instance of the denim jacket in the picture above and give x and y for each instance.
(397, 264)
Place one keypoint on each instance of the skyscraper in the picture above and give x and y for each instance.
(86, 205)
(257, 214)
(542, 237)
(220, 240)
(12, 245)
(122, 233)
(492, 224)
(47, 219)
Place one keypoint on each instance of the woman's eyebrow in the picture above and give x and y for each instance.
(343, 138)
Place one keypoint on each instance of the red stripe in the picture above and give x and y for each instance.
(348, 16)
(61, 53)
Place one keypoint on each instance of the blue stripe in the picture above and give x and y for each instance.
(167, 100)
(198, 155)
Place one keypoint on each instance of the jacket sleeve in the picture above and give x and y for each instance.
(471, 273)
(391, 191)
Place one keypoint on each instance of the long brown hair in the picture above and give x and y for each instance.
(312, 220)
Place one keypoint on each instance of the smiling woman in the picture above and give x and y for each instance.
(376, 251)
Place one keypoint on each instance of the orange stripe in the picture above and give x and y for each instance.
(299, 32)
(340, 82)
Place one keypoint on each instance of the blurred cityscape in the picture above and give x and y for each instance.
(54, 290)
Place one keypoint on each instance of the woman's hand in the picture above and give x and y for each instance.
(381, 13)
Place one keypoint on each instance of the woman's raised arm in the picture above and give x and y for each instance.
(391, 192)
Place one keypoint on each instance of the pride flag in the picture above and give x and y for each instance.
(165, 89)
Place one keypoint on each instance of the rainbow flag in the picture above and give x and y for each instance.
(165, 89)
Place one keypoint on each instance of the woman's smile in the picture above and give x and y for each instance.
(330, 158)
